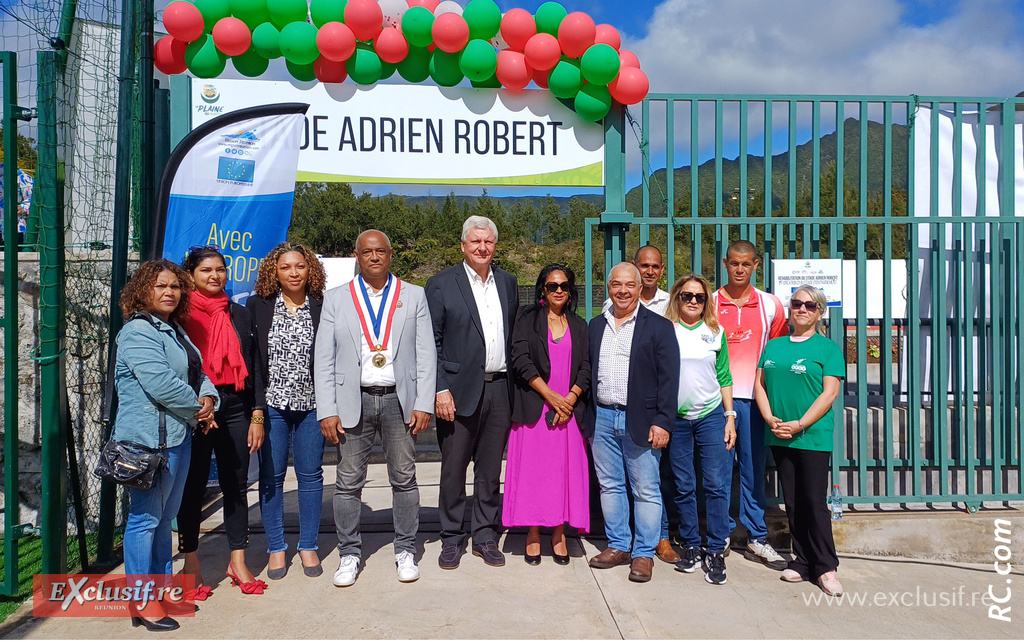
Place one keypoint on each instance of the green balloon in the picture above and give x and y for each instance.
(600, 64)
(285, 12)
(266, 40)
(252, 12)
(487, 83)
(387, 69)
(324, 11)
(416, 66)
(478, 60)
(416, 25)
(549, 16)
(364, 67)
(565, 79)
(304, 73)
(483, 18)
(444, 68)
(593, 102)
(250, 64)
(212, 10)
(203, 59)
(298, 43)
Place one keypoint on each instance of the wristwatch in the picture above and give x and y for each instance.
(730, 413)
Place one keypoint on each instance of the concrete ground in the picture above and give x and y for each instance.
(886, 597)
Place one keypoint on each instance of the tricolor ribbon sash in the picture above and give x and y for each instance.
(389, 302)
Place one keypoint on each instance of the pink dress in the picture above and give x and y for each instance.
(546, 474)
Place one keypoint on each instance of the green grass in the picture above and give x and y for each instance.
(30, 562)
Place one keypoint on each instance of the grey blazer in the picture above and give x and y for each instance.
(338, 353)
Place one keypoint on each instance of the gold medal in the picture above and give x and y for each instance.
(379, 360)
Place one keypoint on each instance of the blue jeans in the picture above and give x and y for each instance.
(706, 437)
(615, 457)
(751, 454)
(148, 549)
(300, 430)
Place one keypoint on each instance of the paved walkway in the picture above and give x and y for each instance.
(901, 598)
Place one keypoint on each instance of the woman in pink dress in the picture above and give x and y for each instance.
(546, 474)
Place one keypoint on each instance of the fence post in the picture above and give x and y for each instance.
(53, 424)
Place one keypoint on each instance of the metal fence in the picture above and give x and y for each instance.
(858, 177)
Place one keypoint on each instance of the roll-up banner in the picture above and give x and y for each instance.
(230, 183)
(411, 134)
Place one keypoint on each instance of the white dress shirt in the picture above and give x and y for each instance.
(613, 369)
(371, 375)
(488, 304)
(658, 304)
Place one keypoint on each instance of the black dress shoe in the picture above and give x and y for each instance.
(163, 624)
(532, 560)
(277, 573)
(449, 557)
(490, 553)
(313, 571)
(563, 560)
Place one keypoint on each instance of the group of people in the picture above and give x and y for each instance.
(693, 372)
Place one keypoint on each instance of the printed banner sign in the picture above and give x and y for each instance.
(824, 274)
(410, 134)
(231, 183)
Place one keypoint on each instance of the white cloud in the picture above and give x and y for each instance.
(832, 47)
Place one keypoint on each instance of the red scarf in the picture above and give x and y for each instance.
(209, 327)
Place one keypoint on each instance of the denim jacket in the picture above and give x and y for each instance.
(151, 371)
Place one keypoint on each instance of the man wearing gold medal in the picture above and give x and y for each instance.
(375, 372)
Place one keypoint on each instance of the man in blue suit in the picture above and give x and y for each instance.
(635, 364)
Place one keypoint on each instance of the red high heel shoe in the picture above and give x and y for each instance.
(255, 587)
(199, 593)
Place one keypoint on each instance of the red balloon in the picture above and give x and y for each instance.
(183, 21)
(576, 34)
(628, 59)
(630, 86)
(169, 55)
(451, 33)
(391, 46)
(231, 36)
(517, 27)
(336, 42)
(430, 5)
(327, 70)
(608, 35)
(542, 51)
(540, 77)
(364, 18)
(512, 70)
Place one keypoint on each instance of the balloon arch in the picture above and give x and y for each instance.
(580, 62)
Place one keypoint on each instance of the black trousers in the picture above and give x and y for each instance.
(804, 477)
(229, 440)
(480, 438)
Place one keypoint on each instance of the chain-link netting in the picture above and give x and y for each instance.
(86, 85)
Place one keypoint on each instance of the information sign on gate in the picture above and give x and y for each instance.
(824, 274)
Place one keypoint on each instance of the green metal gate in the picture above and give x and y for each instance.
(841, 177)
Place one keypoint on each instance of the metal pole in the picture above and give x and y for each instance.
(119, 253)
(147, 176)
(53, 513)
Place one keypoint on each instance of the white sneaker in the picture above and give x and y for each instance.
(407, 569)
(760, 550)
(347, 571)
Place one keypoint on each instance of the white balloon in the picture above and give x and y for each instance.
(448, 6)
(393, 11)
(498, 42)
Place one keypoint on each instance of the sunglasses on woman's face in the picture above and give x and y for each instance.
(686, 297)
(553, 287)
(810, 306)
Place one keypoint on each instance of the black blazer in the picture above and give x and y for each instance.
(459, 334)
(653, 383)
(263, 315)
(530, 359)
(256, 381)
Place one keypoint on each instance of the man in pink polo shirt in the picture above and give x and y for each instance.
(750, 318)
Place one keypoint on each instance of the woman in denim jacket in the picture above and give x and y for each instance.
(151, 375)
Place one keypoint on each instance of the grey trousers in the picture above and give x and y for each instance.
(380, 413)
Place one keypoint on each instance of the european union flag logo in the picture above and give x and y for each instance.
(236, 169)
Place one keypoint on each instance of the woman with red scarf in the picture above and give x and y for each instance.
(225, 334)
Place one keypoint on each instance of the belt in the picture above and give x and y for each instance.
(495, 376)
(378, 391)
(612, 406)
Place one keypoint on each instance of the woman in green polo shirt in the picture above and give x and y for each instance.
(797, 380)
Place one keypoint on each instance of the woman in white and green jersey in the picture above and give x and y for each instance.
(705, 424)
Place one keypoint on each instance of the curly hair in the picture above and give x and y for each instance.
(267, 284)
(709, 316)
(137, 295)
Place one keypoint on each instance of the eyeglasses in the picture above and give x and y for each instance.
(553, 287)
(810, 306)
(198, 248)
(686, 297)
